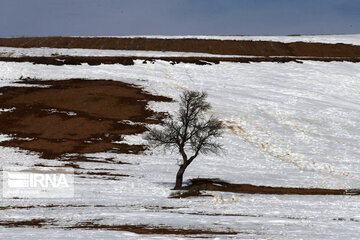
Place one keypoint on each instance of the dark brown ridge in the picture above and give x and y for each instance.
(252, 48)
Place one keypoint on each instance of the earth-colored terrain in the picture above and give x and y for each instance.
(75, 116)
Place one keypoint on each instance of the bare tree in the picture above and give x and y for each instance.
(189, 131)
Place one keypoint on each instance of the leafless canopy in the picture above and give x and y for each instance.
(189, 131)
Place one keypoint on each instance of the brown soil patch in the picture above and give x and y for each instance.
(75, 116)
(158, 208)
(217, 214)
(253, 48)
(198, 184)
(148, 229)
(189, 193)
(66, 165)
(72, 60)
(101, 175)
(107, 174)
(44, 206)
(25, 223)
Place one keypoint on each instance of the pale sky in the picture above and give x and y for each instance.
(177, 17)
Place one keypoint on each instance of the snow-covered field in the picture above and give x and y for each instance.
(53, 52)
(47, 52)
(294, 125)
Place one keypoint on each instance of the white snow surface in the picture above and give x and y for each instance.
(294, 125)
(47, 52)
(85, 52)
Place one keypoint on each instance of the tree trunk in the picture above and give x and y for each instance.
(179, 176)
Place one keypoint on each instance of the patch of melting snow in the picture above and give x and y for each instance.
(24, 138)
(136, 139)
(53, 110)
(4, 137)
(128, 122)
(7, 109)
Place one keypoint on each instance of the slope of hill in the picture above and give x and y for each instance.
(289, 125)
